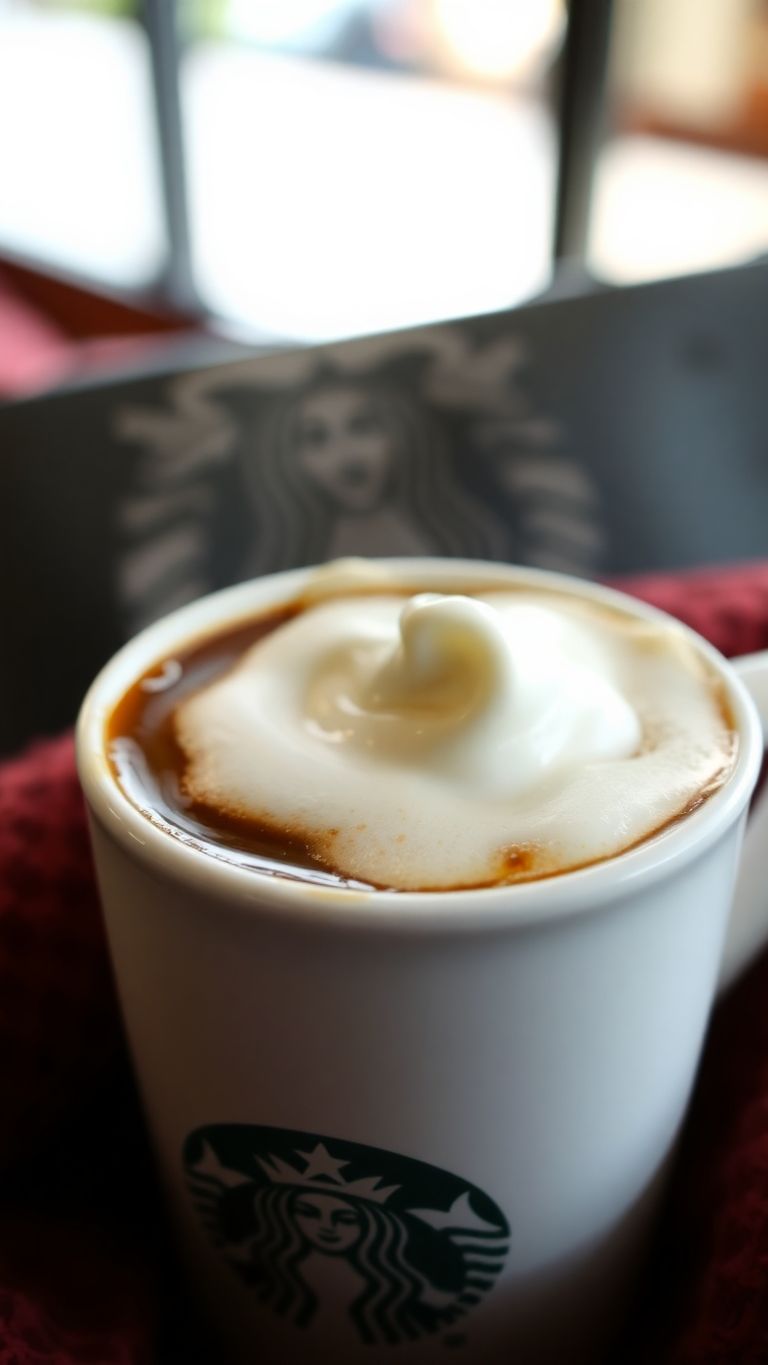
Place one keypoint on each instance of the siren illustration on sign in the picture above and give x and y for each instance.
(358, 1238)
(420, 443)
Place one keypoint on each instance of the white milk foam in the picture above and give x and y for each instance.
(444, 741)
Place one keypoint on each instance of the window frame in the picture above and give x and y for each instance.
(581, 125)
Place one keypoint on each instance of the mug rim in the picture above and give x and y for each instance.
(516, 905)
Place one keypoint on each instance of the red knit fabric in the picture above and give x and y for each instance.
(71, 1291)
(80, 1265)
(53, 964)
(729, 606)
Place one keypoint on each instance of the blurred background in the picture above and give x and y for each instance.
(303, 170)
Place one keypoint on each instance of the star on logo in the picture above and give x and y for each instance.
(209, 1165)
(460, 1215)
(321, 1164)
(323, 1169)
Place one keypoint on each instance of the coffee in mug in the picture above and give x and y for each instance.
(371, 737)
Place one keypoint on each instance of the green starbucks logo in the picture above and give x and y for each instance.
(318, 1227)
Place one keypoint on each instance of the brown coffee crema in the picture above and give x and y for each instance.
(149, 765)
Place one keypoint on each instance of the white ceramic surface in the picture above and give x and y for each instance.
(534, 1045)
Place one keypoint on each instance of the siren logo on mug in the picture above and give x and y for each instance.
(391, 1248)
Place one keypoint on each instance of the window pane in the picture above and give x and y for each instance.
(357, 166)
(682, 183)
(77, 155)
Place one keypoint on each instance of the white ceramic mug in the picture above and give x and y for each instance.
(425, 1126)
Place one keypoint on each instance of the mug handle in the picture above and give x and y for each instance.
(747, 930)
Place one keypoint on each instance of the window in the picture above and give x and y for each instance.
(79, 181)
(682, 178)
(356, 167)
(310, 169)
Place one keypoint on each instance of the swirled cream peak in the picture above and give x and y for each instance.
(473, 694)
(447, 740)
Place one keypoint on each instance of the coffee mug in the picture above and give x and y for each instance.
(418, 1126)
